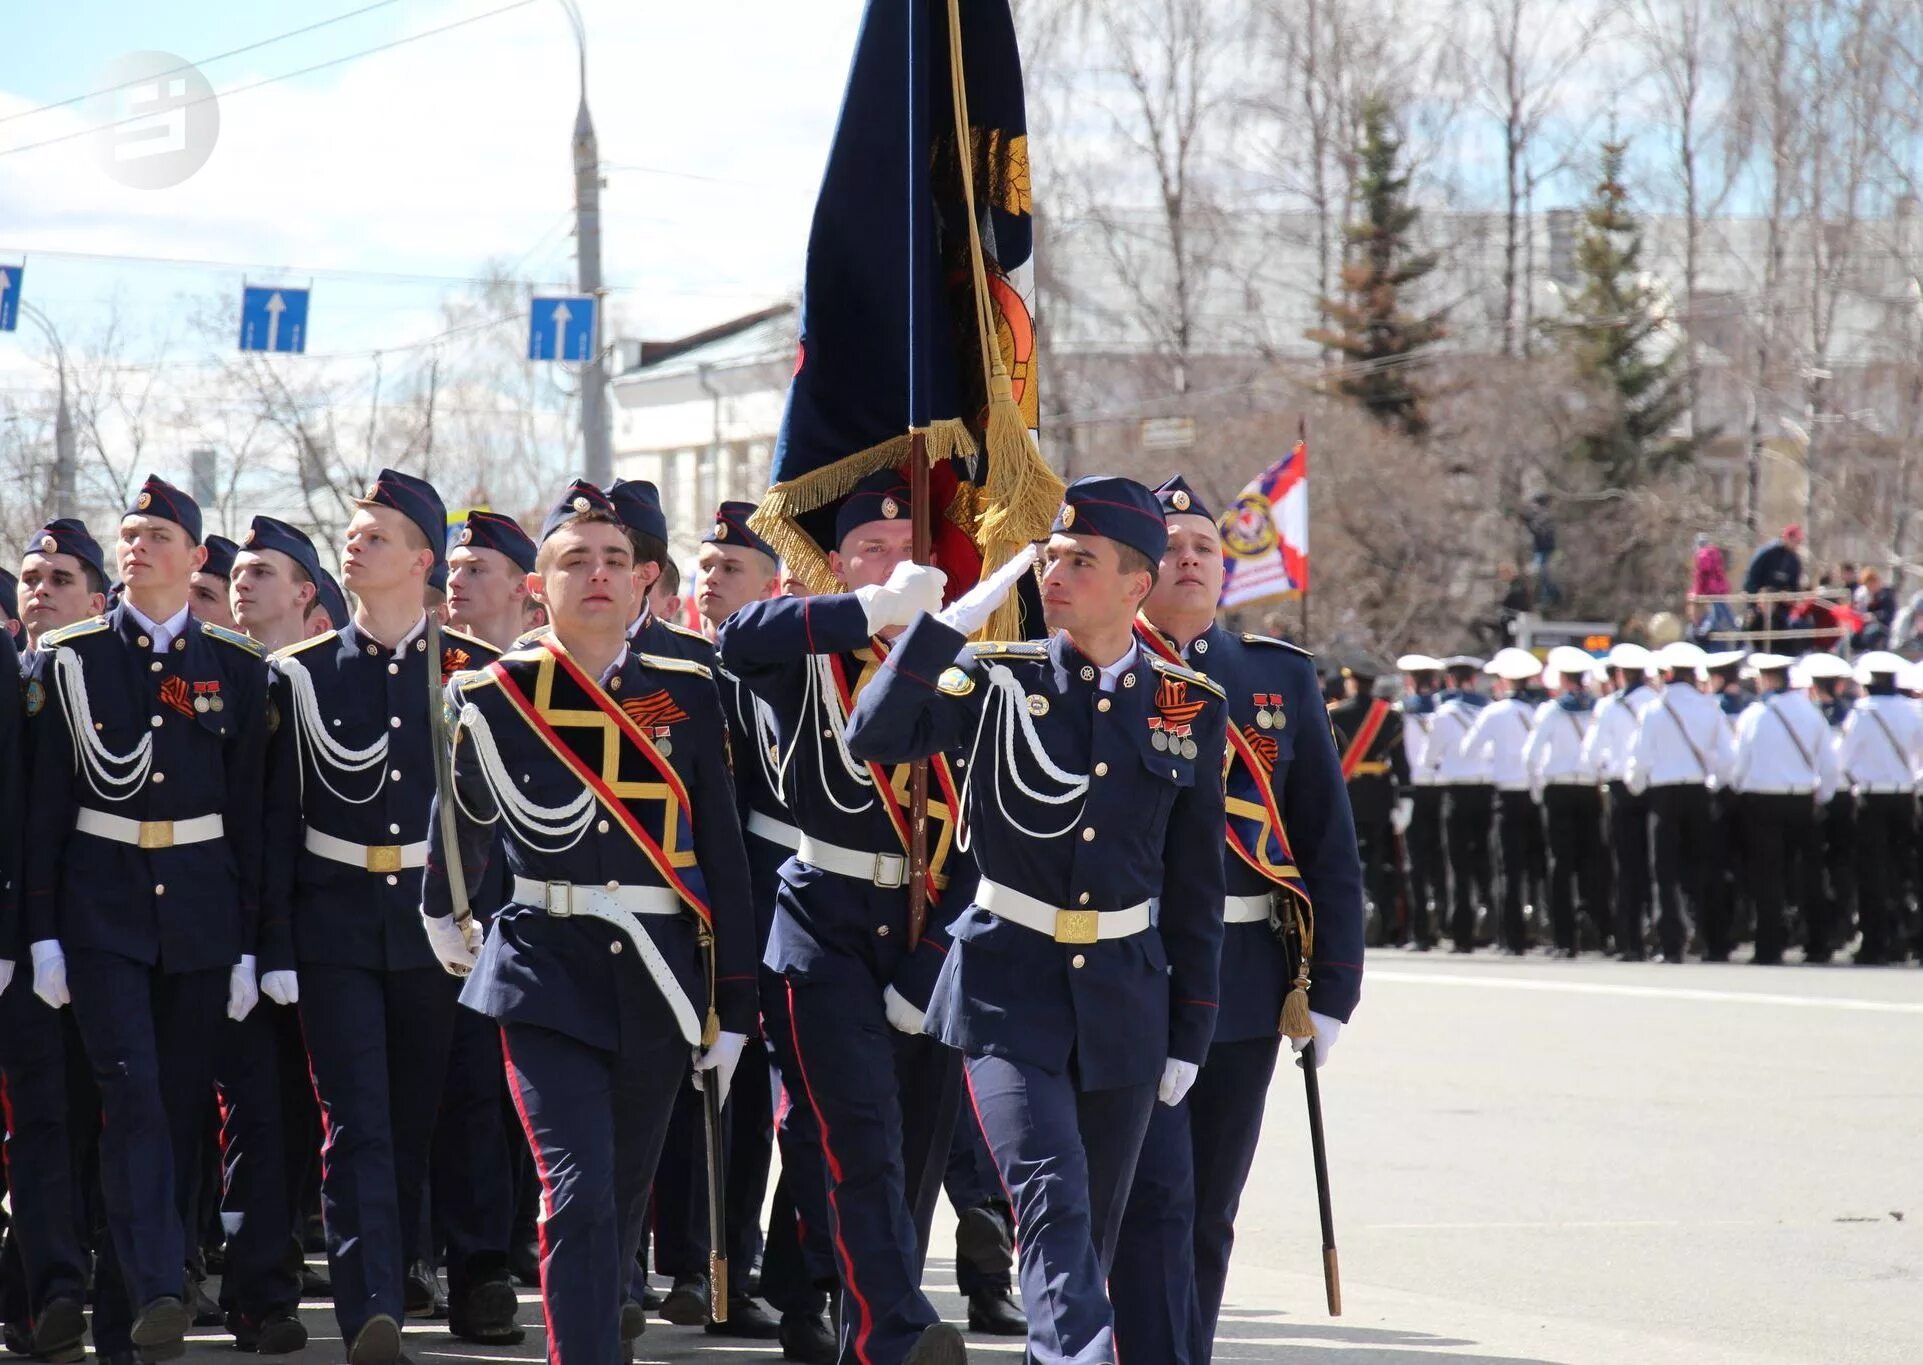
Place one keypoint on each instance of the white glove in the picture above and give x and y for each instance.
(455, 945)
(1403, 813)
(243, 991)
(721, 1059)
(901, 1014)
(283, 988)
(50, 973)
(1177, 1077)
(1327, 1030)
(910, 590)
(6, 975)
(971, 611)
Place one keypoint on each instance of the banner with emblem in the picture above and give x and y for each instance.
(917, 315)
(1265, 534)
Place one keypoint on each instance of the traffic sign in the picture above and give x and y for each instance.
(562, 328)
(273, 319)
(10, 296)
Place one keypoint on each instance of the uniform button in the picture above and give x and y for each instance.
(144, 642)
(1088, 674)
(1078, 961)
(1082, 899)
(393, 880)
(1101, 770)
(154, 667)
(180, 644)
(1102, 705)
(394, 722)
(160, 777)
(827, 733)
(1201, 646)
(1088, 835)
(614, 683)
(373, 649)
(1128, 680)
(393, 829)
(615, 946)
(160, 888)
(394, 776)
(614, 886)
(156, 722)
(601, 828)
(881, 931)
(420, 646)
(393, 668)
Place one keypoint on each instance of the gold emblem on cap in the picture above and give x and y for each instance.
(466, 537)
(144, 501)
(1068, 516)
(48, 545)
(373, 492)
(721, 530)
(248, 539)
(890, 508)
(1180, 499)
(581, 504)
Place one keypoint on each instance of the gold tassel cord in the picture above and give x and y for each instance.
(1295, 1006)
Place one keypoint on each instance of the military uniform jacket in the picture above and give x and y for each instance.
(574, 974)
(352, 758)
(152, 738)
(1612, 735)
(1306, 778)
(786, 650)
(1380, 768)
(1119, 821)
(1418, 719)
(1880, 748)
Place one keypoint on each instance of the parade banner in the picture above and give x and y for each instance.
(1265, 534)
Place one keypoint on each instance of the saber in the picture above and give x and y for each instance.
(717, 1158)
(444, 764)
(1331, 1269)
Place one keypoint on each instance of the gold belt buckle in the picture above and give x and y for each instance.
(384, 858)
(156, 833)
(1076, 926)
(566, 907)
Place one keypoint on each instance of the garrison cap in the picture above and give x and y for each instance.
(271, 533)
(158, 498)
(638, 503)
(731, 528)
(1178, 499)
(69, 536)
(416, 499)
(1117, 509)
(220, 557)
(578, 499)
(492, 531)
(327, 592)
(882, 496)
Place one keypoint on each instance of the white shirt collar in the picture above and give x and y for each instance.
(162, 633)
(1114, 671)
(620, 662)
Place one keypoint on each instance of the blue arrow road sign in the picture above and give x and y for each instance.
(10, 296)
(273, 319)
(562, 329)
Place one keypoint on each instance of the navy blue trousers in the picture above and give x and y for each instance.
(149, 1038)
(1180, 1226)
(884, 1105)
(51, 1115)
(799, 1268)
(267, 1117)
(378, 1044)
(679, 1198)
(1067, 1158)
(972, 1182)
(595, 1121)
(473, 1165)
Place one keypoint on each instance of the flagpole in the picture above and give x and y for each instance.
(921, 546)
(1302, 439)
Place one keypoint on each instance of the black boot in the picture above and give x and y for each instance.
(806, 1338)
(484, 1311)
(747, 1320)
(422, 1292)
(687, 1303)
(940, 1344)
(60, 1332)
(992, 1312)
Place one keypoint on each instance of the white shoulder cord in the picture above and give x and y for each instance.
(325, 750)
(532, 823)
(817, 684)
(90, 753)
(1011, 704)
(762, 717)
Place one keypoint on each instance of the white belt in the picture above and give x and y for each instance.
(597, 901)
(1885, 791)
(1245, 909)
(1064, 926)
(1778, 791)
(773, 830)
(371, 857)
(881, 869)
(149, 833)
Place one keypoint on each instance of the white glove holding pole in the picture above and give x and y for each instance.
(721, 1059)
(1177, 1077)
(1404, 812)
(901, 1014)
(910, 590)
(6, 975)
(455, 946)
(50, 973)
(1327, 1030)
(283, 988)
(970, 612)
(243, 990)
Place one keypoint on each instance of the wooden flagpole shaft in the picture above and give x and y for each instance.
(918, 773)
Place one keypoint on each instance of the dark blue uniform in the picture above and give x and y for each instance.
(1066, 1033)
(883, 1101)
(144, 863)
(350, 780)
(1180, 1227)
(597, 1021)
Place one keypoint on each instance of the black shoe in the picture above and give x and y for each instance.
(687, 1303)
(982, 1240)
(213, 1262)
(115, 1358)
(422, 1292)
(206, 1312)
(484, 1312)
(992, 1312)
(524, 1263)
(651, 1298)
(280, 1333)
(806, 1338)
(377, 1343)
(746, 1319)
(313, 1237)
(940, 1344)
(634, 1320)
(17, 1338)
(314, 1284)
(160, 1332)
(59, 1331)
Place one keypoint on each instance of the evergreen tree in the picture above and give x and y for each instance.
(1367, 325)
(1613, 333)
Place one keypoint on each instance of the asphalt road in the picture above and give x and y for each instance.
(1569, 1162)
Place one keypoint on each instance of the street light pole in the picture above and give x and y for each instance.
(596, 439)
(65, 460)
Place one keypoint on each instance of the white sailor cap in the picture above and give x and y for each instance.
(1879, 661)
(1625, 655)
(1419, 663)
(1799, 675)
(1568, 661)
(1513, 664)
(1769, 663)
(1462, 661)
(1680, 656)
(1729, 658)
(1826, 665)
(1910, 679)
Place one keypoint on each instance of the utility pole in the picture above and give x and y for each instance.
(595, 436)
(66, 463)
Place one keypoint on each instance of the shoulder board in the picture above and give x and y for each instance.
(1009, 649)
(1250, 638)
(683, 630)
(79, 629)
(668, 665)
(1161, 665)
(462, 679)
(300, 646)
(234, 638)
(454, 633)
(539, 632)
